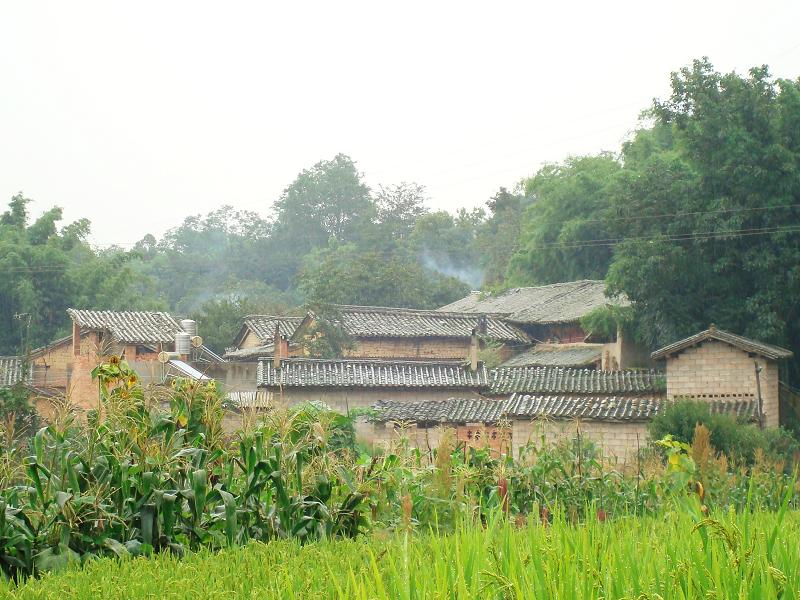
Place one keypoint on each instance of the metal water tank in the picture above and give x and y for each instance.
(183, 343)
(189, 326)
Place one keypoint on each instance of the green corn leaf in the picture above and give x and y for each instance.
(231, 525)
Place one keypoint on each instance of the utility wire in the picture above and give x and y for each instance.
(704, 235)
(692, 213)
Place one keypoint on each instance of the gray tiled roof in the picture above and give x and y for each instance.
(130, 327)
(737, 341)
(554, 355)
(306, 372)
(250, 353)
(263, 326)
(546, 304)
(554, 380)
(11, 371)
(549, 407)
(377, 322)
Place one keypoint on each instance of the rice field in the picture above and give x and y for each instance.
(728, 555)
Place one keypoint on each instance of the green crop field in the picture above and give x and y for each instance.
(152, 501)
(726, 556)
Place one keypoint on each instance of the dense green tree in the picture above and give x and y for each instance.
(569, 203)
(498, 236)
(219, 319)
(44, 271)
(328, 202)
(201, 256)
(399, 207)
(448, 244)
(710, 207)
(344, 274)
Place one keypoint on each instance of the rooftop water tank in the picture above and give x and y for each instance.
(183, 343)
(189, 326)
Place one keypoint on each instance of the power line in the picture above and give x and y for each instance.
(693, 213)
(638, 218)
(695, 236)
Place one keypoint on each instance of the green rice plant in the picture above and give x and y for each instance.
(636, 557)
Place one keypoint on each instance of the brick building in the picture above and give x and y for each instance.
(529, 404)
(344, 384)
(409, 334)
(715, 365)
(256, 338)
(615, 423)
(63, 368)
(374, 333)
(551, 315)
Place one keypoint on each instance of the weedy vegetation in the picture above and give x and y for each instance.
(147, 496)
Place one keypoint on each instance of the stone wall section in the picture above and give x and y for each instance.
(618, 440)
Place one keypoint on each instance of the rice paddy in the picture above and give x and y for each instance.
(728, 555)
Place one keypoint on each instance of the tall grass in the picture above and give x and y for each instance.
(632, 558)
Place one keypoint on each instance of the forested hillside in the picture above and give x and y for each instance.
(696, 218)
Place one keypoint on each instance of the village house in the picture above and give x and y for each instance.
(346, 383)
(716, 365)
(551, 315)
(733, 374)
(616, 424)
(524, 404)
(256, 339)
(155, 345)
(381, 333)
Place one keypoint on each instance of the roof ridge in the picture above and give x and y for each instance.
(746, 344)
(278, 317)
(429, 311)
(370, 361)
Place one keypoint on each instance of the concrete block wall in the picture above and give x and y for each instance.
(715, 371)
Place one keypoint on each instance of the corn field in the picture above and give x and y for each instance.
(149, 479)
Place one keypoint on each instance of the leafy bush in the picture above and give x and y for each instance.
(737, 439)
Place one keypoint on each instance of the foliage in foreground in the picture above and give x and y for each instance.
(727, 555)
(148, 474)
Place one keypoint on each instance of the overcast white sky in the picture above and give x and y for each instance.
(136, 114)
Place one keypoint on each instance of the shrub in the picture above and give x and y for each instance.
(734, 438)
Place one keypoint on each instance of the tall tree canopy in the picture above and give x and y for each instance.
(45, 270)
(710, 207)
(569, 201)
(696, 220)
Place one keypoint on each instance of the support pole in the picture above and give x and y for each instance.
(758, 391)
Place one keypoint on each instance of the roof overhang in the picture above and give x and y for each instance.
(742, 343)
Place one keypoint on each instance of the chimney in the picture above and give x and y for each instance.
(76, 338)
(482, 325)
(277, 347)
(473, 351)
